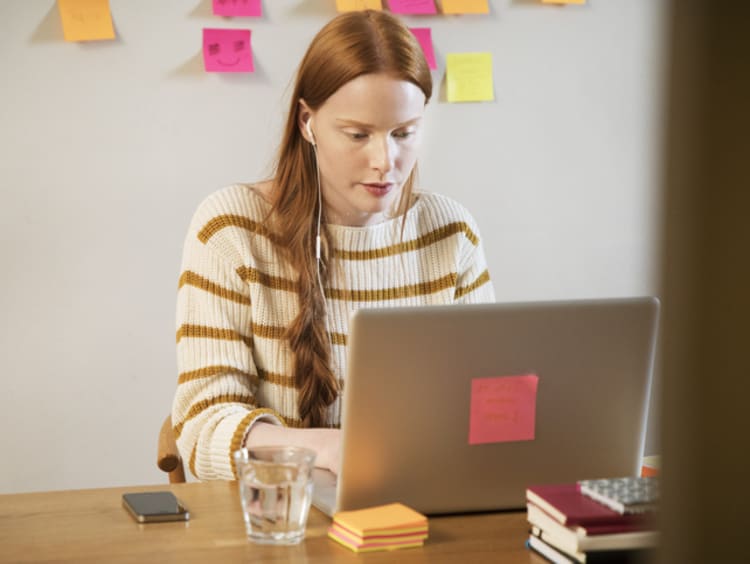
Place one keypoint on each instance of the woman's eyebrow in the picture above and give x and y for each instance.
(354, 122)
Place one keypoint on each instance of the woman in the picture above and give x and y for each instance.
(272, 271)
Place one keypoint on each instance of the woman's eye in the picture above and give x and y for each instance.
(402, 134)
(358, 135)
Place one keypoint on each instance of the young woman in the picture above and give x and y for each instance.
(272, 271)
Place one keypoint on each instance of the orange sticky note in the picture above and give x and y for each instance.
(354, 5)
(503, 409)
(466, 7)
(561, 2)
(86, 20)
(386, 519)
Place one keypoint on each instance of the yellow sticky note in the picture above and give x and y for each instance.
(354, 5)
(469, 77)
(579, 2)
(466, 7)
(86, 20)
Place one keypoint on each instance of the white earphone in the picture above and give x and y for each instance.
(308, 128)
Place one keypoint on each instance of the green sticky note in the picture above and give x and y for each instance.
(469, 77)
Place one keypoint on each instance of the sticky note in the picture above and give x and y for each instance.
(227, 50)
(238, 8)
(503, 409)
(412, 6)
(354, 5)
(469, 77)
(86, 20)
(466, 7)
(424, 36)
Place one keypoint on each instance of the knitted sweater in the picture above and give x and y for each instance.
(237, 295)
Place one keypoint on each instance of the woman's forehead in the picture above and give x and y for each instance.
(376, 99)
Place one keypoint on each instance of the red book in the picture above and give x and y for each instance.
(568, 506)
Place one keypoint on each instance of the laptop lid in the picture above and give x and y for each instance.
(407, 403)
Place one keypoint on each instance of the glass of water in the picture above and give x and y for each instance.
(275, 491)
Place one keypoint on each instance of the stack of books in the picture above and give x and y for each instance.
(386, 527)
(568, 525)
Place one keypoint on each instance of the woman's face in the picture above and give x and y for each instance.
(367, 134)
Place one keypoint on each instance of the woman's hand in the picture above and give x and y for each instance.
(325, 442)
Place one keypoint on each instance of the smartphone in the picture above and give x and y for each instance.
(151, 507)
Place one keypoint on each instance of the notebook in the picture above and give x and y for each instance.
(460, 408)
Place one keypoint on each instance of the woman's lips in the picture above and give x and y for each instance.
(378, 188)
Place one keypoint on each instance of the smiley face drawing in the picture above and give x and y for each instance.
(227, 50)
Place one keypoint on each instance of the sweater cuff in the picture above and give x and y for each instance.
(230, 436)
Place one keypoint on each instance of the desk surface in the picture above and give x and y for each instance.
(92, 526)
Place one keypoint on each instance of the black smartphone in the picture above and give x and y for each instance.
(150, 507)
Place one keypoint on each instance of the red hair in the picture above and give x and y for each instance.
(350, 45)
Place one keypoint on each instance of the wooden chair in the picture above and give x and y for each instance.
(168, 457)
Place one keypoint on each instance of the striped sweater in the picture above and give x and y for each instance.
(237, 295)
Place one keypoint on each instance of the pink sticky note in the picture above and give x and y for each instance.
(227, 50)
(424, 36)
(412, 6)
(503, 409)
(238, 8)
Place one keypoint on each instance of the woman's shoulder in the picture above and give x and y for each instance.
(439, 210)
(236, 200)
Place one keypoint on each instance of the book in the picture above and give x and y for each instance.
(577, 539)
(568, 506)
(556, 556)
(624, 495)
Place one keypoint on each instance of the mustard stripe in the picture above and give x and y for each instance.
(199, 407)
(276, 378)
(204, 332)
(420, 289)
(338, 338)
(253, 275)
(269, 331)
(192, 279)
(241, 431)
(415, 244)
(481, 280)
(218, 223)
(214, 370)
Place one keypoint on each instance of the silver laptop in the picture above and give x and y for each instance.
(415, 421)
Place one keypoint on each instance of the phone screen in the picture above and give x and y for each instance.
(155, 506)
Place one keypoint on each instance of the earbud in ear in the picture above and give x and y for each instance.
(309, 131)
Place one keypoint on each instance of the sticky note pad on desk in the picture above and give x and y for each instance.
(469, 77)
(385, 527)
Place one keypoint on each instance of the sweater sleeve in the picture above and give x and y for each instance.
(473, 284)
(215, 402)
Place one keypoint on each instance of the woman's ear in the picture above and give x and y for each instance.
(304, 115)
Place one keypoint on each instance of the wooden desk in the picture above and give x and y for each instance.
(92, 526)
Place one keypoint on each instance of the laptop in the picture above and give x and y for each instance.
(458, 408)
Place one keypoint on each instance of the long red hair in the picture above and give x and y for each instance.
(350, 45)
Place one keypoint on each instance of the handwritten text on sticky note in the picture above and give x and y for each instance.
(227, 50)
(466, 7)
(412, 6)
(469, 77)
(424, 36)
(230, 8)
(355, 5)
(503, 409)
(86, 20)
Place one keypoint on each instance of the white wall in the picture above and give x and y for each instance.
(106, 149)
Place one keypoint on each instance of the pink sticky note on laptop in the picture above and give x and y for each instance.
(503, 409)
(412, 6)
(227, 50)
(424, 36)
(238, 8)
